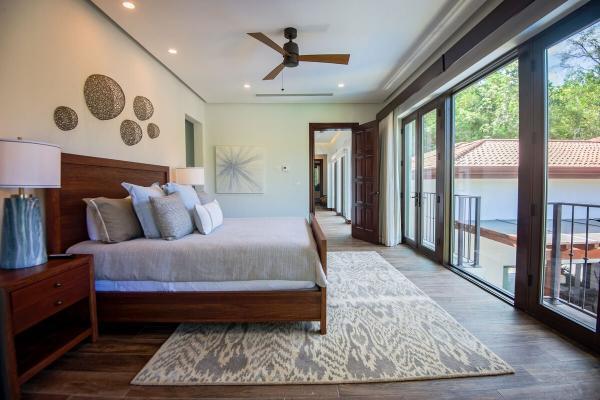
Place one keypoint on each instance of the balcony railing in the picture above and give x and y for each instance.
(573, 264)
(428, 208)
(467, 226)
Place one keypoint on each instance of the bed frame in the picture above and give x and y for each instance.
(84, 176)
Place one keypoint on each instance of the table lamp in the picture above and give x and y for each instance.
(193, 176)
(25, 164)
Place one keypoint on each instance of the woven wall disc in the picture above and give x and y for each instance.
(65, 118)
(131, 132)
(153, 130)
(103, 96)
(143, 108)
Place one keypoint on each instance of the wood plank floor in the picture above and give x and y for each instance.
(547, 365)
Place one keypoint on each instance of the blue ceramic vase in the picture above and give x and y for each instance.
(23, 240)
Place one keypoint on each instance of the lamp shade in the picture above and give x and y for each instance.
(189, 176)
(27, 164)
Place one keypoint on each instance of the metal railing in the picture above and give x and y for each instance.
(467, 226)
(428, 205)
(573, 267)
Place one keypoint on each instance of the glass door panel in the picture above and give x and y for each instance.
(571, 263)
(485, 165)
(428, 200)
(411, 189)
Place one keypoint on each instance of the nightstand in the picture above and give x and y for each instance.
(45, 311)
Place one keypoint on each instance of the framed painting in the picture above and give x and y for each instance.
(240, 169)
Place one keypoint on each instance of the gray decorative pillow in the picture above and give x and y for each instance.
(114, 218)
(172, 218)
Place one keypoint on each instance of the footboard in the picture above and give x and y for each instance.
(321, 241)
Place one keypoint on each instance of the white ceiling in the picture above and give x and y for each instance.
(326, 137)
(215, 56)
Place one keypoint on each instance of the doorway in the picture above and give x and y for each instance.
(329, 147)
(422, 133)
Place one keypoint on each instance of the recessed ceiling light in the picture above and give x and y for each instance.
(247, 85)
(341, 84)
(129, 5)
(172, 51)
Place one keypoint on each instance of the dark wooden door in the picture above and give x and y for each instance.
(365, 182)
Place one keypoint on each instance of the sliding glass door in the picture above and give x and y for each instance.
(566, 172)
(421, 200)
(485, 164)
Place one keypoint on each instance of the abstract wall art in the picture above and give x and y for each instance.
(143, 108)
(65, 118)
(131, 132)
(240, 169)
(103, 96)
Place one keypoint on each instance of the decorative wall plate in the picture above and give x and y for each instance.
(103, 96)
(65, 118)
(143, 108)
(153, 130)
(131, 132)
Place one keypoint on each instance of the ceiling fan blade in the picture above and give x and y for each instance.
(273, 74)
(261, 37)
(326, 58)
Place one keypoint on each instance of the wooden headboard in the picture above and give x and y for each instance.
(81, 177)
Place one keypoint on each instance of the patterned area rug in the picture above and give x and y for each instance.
(381, 328)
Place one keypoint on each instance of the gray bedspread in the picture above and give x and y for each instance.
(242, 249)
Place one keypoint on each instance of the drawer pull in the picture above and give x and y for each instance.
(59, 303)
(58, 284)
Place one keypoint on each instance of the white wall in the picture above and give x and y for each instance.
(499, 196)
(283, 130)
(49, 48)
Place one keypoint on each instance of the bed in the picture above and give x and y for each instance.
(248, 270)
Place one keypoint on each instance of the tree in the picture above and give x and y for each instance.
(489, 108)
(574, 104)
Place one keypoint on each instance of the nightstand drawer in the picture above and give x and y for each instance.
(38, 301)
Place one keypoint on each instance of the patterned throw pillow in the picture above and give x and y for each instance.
(172, 218)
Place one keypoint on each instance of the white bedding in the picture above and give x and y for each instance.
(151, 286)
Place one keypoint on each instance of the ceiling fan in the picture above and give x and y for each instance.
(291, 54)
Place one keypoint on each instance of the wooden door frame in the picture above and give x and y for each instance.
(317, 127)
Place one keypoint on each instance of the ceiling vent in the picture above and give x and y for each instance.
(293, 94)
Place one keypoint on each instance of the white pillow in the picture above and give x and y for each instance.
(216, 215)
(202, 219)
(208, 217)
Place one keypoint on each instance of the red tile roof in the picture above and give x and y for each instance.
(503, 155)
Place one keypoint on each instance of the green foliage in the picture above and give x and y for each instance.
(489, 108)
(574, 107)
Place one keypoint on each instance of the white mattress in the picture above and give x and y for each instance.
(231, 286)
